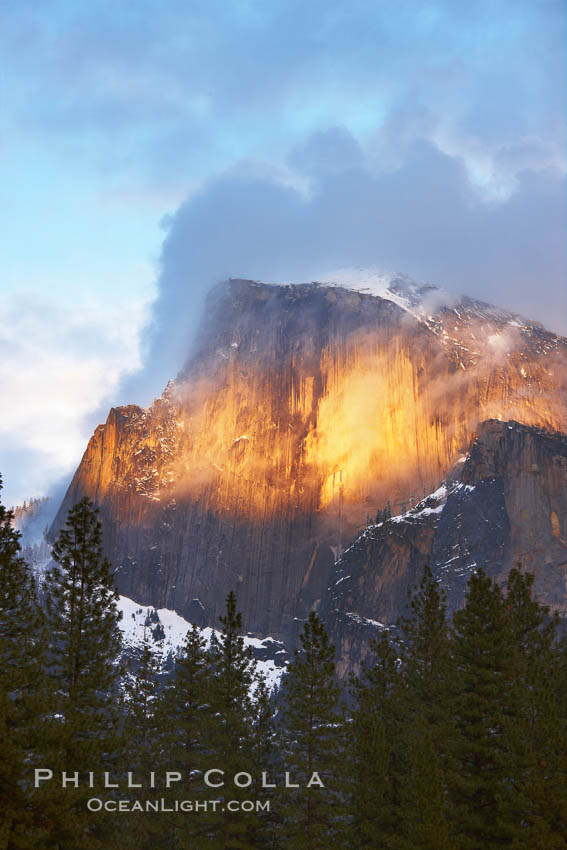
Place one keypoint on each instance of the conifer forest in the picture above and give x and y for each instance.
(452, 736)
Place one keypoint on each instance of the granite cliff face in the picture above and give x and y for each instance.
(302, 410)
(506, 505)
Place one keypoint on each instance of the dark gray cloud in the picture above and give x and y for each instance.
(424, 218)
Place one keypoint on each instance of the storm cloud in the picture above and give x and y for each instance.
(424, 218)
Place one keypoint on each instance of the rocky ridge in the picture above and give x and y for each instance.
(302, 410)
(505, 505)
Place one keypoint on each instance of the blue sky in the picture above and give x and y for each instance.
(150, 148)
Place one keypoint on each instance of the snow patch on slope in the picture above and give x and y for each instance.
(451, 317)
(364, 621)
(140, 621)
(398, 288)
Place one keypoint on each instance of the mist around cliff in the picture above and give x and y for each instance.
(371, 412)
(335, 207)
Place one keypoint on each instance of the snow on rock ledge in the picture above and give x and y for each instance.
(167, 629)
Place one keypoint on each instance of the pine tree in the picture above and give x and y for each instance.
(187, 695)
(82, 619)
(556, 694)
(483, 648)
(426, 669)
(534, 724)
(265, 762)
(84, 642)
(228, 732)
(13, 821)
(183, 714)
(423, 822)
(22, 691)
(312, 731)
(141, 724)
(372, 761)
(425, 649)
(139, 744)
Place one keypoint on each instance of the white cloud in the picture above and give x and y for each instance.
(59, 363)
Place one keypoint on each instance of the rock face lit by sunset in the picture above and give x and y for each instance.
(275, 142)
(302, 392)
(305, 409)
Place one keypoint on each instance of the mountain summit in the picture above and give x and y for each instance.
(304, 411)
